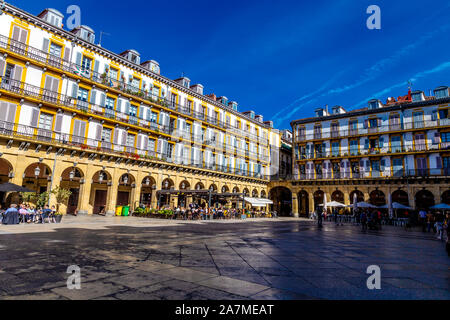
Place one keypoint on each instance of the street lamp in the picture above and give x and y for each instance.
(100, 177)
(147, 181)
(37, 171)
(72, 174)
(125, 179)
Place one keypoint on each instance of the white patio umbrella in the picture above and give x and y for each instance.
(363, 204)
(355, 200)
(324, 201)
(335, 204)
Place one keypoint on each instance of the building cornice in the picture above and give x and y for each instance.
(109, 54)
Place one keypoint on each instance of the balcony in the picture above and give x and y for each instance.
(105, 80)
(53, 138)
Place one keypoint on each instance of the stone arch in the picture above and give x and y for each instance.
(377, 198)
(424, 199)
(246, 192)
(100, 189)
(318, 198)
(282, 200)
(127, 183)
(167, 184)
(6, 170)
(236, 189)
(71, 179)
(225, 189)
(338, 196)
(445, 197)
(148, 188)
(263, 194)
(199, 186)
(401, 197)
(213, 187)
(303, 203)
(359, 196)
(37, 176)
(184, 185)
(255, 193)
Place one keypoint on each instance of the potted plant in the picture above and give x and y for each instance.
(61, 195)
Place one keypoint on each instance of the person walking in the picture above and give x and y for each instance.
(439, 225)
(423, 219)
(319, 216)
(363, 220)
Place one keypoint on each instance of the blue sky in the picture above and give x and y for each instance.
(282, 59)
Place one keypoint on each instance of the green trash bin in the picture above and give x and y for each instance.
(126, 210)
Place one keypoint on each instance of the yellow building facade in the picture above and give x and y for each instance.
(112, 129)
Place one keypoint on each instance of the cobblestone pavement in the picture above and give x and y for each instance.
(138, 258)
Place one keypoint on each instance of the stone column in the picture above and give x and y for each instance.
(154, 199)
(294, 205)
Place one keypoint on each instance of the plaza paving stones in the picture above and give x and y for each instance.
(138, 258)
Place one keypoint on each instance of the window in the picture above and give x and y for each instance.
(55, 50)
(441, 93)
(135, 83)
(132, 111)
(106, 134)
(444, 114)
(109, 103)
(445, 137)
(373, 104)
(353, 147)
(113, 73)
(394, 122)
(335, 149)
(45, 121)
(169, 150)
(153, 116)
(86, 64)
(151, 145)
(417, 96)
(418, 119)
(396, 144)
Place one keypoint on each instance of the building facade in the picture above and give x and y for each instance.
(111, 128)
(398, 149)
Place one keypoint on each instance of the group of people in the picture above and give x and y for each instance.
(26, 213)
(196, 212)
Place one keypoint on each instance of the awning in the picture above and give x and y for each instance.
(258, 202)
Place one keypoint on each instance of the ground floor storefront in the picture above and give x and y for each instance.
(99, 184)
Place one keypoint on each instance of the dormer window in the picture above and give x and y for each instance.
(319, 112)
(417, 96)
(374, 104)
(441, 92)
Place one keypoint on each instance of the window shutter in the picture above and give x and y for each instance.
(23, 36)
(379, 122)
(74, 90)
(2, 67)
(17, 73)
(96, 66)
(34, 117)
(116, 136)
(381, 142)
(78, 59)
(76, 128)
(139, 140)
(145, 144)
(58, 122)
(124, 137)
(102, 99)
(127, 107)
(67, 54)
(16, 33)
(119, 105)
(82, 129)
(437, 137)
(148, 114)
(98, 134)
(45, 45)
(366, 124)
(3, 110)
(93, 96)
(438, 162)
(55, 85)
(12, 113)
